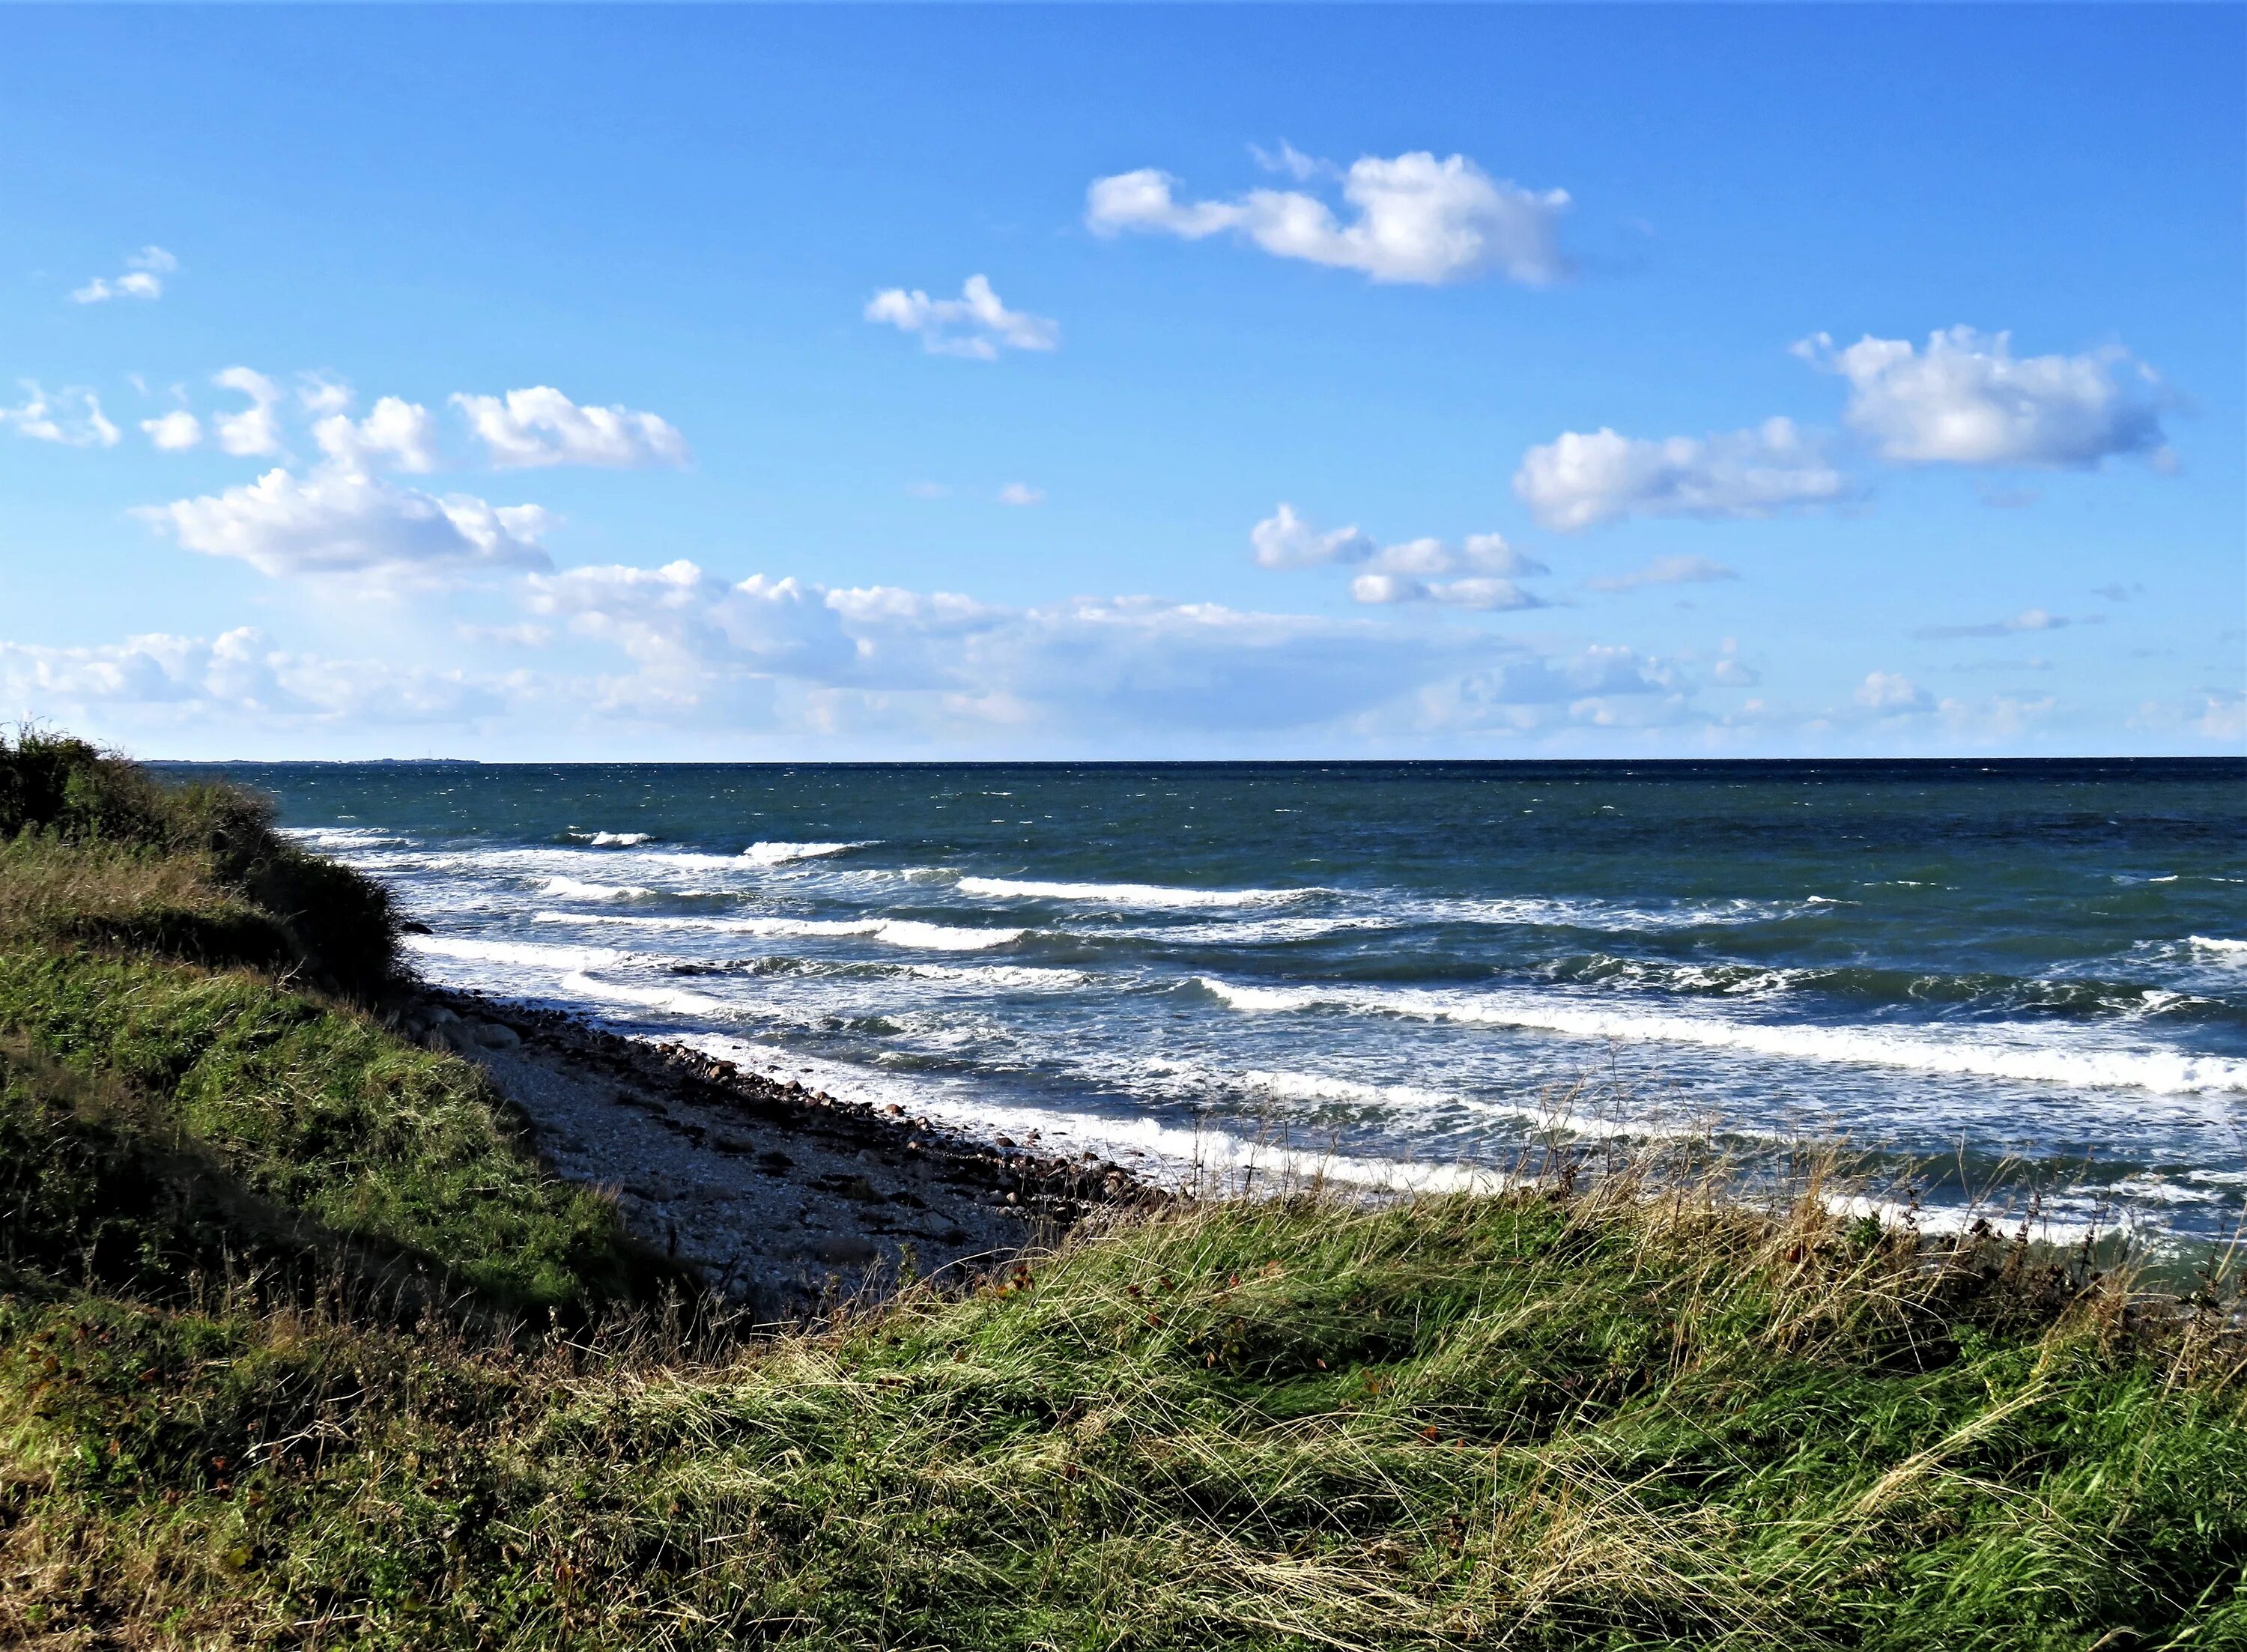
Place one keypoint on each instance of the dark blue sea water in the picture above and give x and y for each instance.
(2030, 974)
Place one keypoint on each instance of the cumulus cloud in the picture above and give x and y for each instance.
(396, 432)
(174, 432)
(1418, 219)
(1090, 663)
(1284, 540)
(71, 417)
(254, 432)
(1601, 686)
(1892, 693)
(1583, 479)
(143, 278)
(340, 521)
(679, 621)
(320, 395)
(540, 426)
(1665, 570)
(687, 650)
(1488, 594)
(1967, 399)
(1020, 493)
(237, 675)
(975, 324)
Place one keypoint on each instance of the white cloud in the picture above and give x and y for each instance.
(253, 433)
(1730, 671)
(143, 278)
(340, 521)
(397, 431)
(238, 675)
(1967, 399)
(320, 395)
(975, 324)
(1587, 477)
(2027, 619)
(1293, 161)
(2223, 716)
(174, 432)
(1284, 540)
(679, 621)
(1891, 693)
(1020, 493)
(1665, 570)
(72, 417)
(691, 657)
(1420, 220)
(1126, 662)
(540, 426)
(1599, 686)
(1490, 594)
(1476, 554)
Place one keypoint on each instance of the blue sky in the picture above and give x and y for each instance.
(1581, 381)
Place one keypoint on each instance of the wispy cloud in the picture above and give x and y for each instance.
(253, 431)
(975, 324)
(1665, 570)
(2027, 619)
(70, 418)
(143, 278)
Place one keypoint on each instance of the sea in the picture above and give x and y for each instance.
(2011, 989)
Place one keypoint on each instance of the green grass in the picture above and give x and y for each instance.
(299, 1347)
(1602, 1421)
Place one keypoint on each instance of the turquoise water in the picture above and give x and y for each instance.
(2026, 977)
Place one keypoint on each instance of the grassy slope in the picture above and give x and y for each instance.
(1544, 1421)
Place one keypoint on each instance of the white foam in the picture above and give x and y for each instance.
(535, 955)
(1206, 1157)
(1590, 913)
(2222, 948)
(941, 938)
(578, 889)
(1000, 977)
(670, 1000)
(1250, 932)
(616, 840)
(780, 854)
(896, 932)
(341, 837)
(2023, 1055)
(1147, 895)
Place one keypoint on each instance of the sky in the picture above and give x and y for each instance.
(532, 383)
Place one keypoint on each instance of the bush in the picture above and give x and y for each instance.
(325, 919)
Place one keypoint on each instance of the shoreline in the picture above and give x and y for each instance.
(785, 1200)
